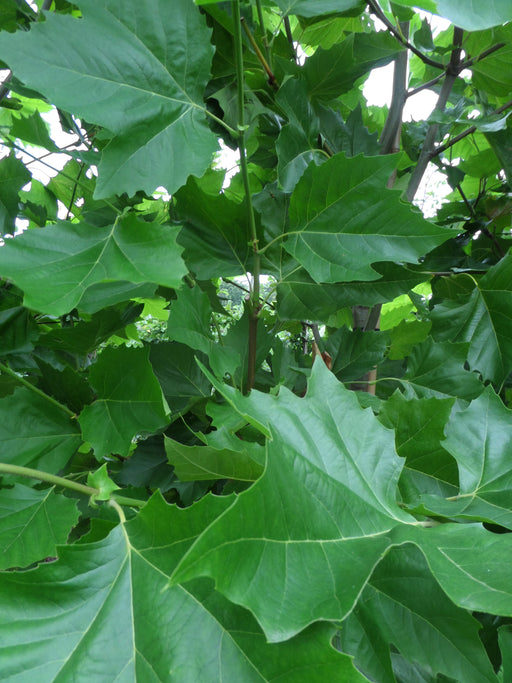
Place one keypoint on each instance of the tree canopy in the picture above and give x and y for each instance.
(309, 481)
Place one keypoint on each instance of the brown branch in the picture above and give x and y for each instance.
(426, 85)
(452, 72)
(469, 131)
(380, 14)
(271, 78)
(468, 63)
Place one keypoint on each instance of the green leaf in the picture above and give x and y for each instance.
(129, 401)
(181, 380)
(35, 433)
(437, 370)
(454, 554)
(301, 298)
(330, 73)
(13, 176)
(336, 234)
(472, 15)
(56, 266)
(403, 605)
(101, 481)
(148, 85)
(17, 331)
(482, 319)
(322, 509)
(297, 144)
(224, 456)
(34, 130)
(189, 323)
(32, 523)
(505, 639)
(419, 433)
(313, 8)
(215, 234)
(480, 440)
(355, 352)
(130, 627)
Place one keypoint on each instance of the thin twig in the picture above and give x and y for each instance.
(289, 37)
(426, 85)
(442, 148)
(452, 72)
(468, 63)
(271, 78)
(380, 14)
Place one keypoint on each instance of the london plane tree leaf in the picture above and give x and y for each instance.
(336, 234)
(148, 85)
(310, 533)
(132, 628)
(57, 265)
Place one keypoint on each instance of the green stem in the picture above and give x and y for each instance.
(263, 31)
(26, 383)
(19, 471)
(255, 287)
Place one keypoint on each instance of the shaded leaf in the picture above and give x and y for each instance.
(181, 380)
(484, 319)
(35, 433)
(32, 523)
(437, 370)
(299, 297)
(480, 440)
(129, 401)
(215, 234)
(403, 605)
(13, 176)
(224, 456)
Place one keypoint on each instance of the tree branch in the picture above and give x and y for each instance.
(442, 148)
(380, 15)
(255, 288)
(452, 73)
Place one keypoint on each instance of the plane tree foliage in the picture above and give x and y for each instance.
(312, 483)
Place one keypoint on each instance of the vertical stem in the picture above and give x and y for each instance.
(369, 318)
(255, 286)
(263, 32)
(452, 73)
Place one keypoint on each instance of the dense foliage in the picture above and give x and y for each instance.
(185, 496)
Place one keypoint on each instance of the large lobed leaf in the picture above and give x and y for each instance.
(336, 233)
(139, 70)
(56, 267)
(471, 15)
(105, 613)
